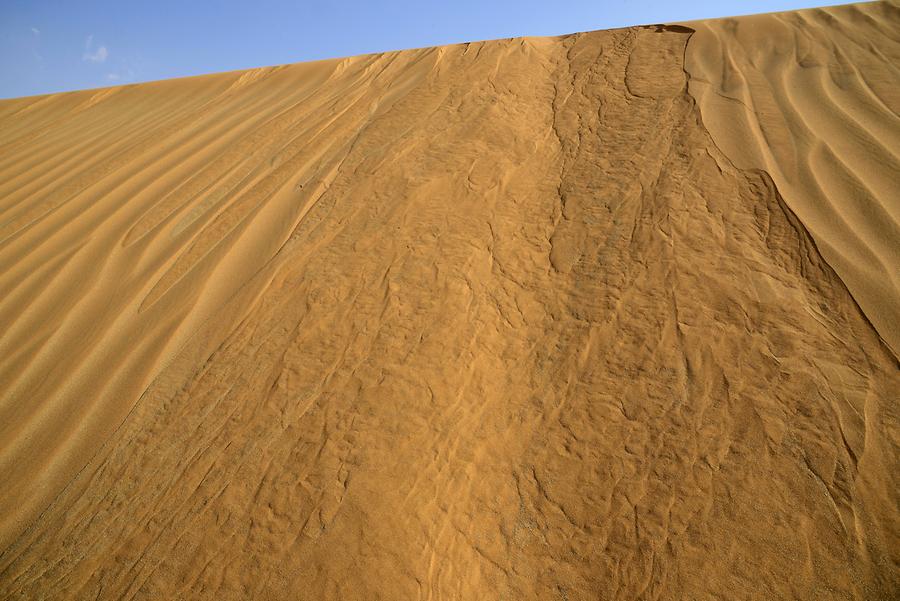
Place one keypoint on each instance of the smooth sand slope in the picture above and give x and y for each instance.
(521, 319)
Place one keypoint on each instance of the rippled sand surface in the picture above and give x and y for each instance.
(610, 315)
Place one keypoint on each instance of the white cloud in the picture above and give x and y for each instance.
(100, 55)
(35, 46)
(121, 75)
(95, 56)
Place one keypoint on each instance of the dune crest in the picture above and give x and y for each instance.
(497, 320)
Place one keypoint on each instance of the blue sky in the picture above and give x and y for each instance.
(50, 46)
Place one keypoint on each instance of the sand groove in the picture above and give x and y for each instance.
(494, 320)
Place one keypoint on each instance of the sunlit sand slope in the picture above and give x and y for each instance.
(813, 97)
(490, 321)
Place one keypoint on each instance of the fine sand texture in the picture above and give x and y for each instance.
(602, 316)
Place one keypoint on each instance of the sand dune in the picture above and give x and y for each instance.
(812, 97)
(535, 318)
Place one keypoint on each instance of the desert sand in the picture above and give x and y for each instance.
(610, 315)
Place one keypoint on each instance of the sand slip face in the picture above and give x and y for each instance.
(489, 321)
(813, 98)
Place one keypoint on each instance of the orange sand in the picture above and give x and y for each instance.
(521, 319)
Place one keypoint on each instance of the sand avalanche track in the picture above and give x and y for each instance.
(500, 320)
